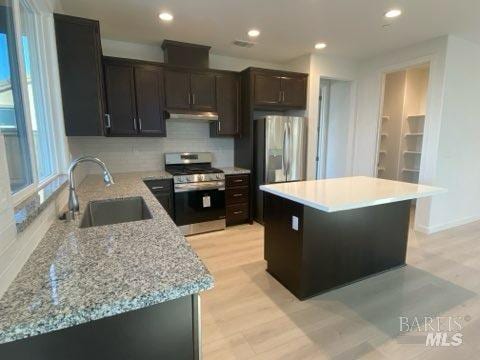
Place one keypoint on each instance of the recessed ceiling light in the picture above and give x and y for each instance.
(253, 33)
(393, 13)
(320, 46)
(165, 16)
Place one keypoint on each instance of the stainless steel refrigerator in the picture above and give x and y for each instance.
(280, 153)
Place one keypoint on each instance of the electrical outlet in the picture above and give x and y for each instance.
(295, 223)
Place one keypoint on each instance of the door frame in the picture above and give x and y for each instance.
(422, 61)
(322, 129)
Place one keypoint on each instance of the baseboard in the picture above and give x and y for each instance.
(449, 225)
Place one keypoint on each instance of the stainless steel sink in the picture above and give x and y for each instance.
(115, 211)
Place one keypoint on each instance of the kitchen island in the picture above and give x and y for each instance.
(323, 234)
(121, 291)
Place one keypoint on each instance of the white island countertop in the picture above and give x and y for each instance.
(347, 193)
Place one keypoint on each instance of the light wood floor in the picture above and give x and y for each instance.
(249, 315)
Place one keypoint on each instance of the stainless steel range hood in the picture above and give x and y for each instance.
(199, 116)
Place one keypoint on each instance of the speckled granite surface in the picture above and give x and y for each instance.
(79, 275)
(29, 209)
(234, 170)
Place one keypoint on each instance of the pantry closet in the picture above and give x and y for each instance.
(402, 124)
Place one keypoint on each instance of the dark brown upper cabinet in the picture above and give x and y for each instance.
(177, 89)
(279, 90)
(149, 95)
(190, 90)
(228, 106)
(134, 98)
(81, 78)
(267, 89)
(294, 91)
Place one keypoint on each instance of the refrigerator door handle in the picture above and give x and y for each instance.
(284, 155)
(289, 149)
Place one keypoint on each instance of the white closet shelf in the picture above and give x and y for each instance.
(414, 134)
(411, 170)
(412, 152)
(417, 116)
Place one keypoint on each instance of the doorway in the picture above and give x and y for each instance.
(402, 123)
(335, 129)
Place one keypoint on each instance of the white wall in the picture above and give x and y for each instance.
(339, 129)
(325, 66)
(457, 161)
(155, 53)
(369, 92)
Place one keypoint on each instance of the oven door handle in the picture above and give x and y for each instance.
(211, 185)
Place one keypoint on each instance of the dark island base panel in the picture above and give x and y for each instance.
(165, 331)
(331, 250)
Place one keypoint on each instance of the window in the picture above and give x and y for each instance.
(25, 113)
(12, 120)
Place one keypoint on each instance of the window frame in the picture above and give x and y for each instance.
(45, 43)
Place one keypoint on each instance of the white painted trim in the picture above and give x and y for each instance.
(446, 226)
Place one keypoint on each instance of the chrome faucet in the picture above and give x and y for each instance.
(73, 205)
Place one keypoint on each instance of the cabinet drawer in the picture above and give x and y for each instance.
(159, 185)
(237, 195)
(237, 214)
(237, 180)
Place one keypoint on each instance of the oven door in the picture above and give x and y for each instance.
(199, 205)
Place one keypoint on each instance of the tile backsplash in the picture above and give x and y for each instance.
(143, 154)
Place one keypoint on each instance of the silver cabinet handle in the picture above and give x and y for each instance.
(189, 99)
(108, 123)
(238, 212)
(193, 99)
(283, 96)
(219, 126)
(279, 96)
(237, 195)
(158, 187)
(238, 180)
(140, 124)
(135, 124)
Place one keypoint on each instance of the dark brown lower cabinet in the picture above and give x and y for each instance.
(237, 199)
(163, 191)
(330, 250)
(169, 330)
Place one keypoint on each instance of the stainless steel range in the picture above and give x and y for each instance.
(199, 192)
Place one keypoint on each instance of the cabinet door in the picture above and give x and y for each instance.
(166, 200)
(267, 90)
(203, 92)
(294, 91)
(177, 89)
(149, 91)
(120, 89)
(228, 106)
(81, 75)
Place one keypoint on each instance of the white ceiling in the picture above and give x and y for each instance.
(289, 28)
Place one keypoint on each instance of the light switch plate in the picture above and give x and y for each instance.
(295, 223)
(206, 201)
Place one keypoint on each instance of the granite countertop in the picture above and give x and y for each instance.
(233, 170)
(346, 193)
(78, 275)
